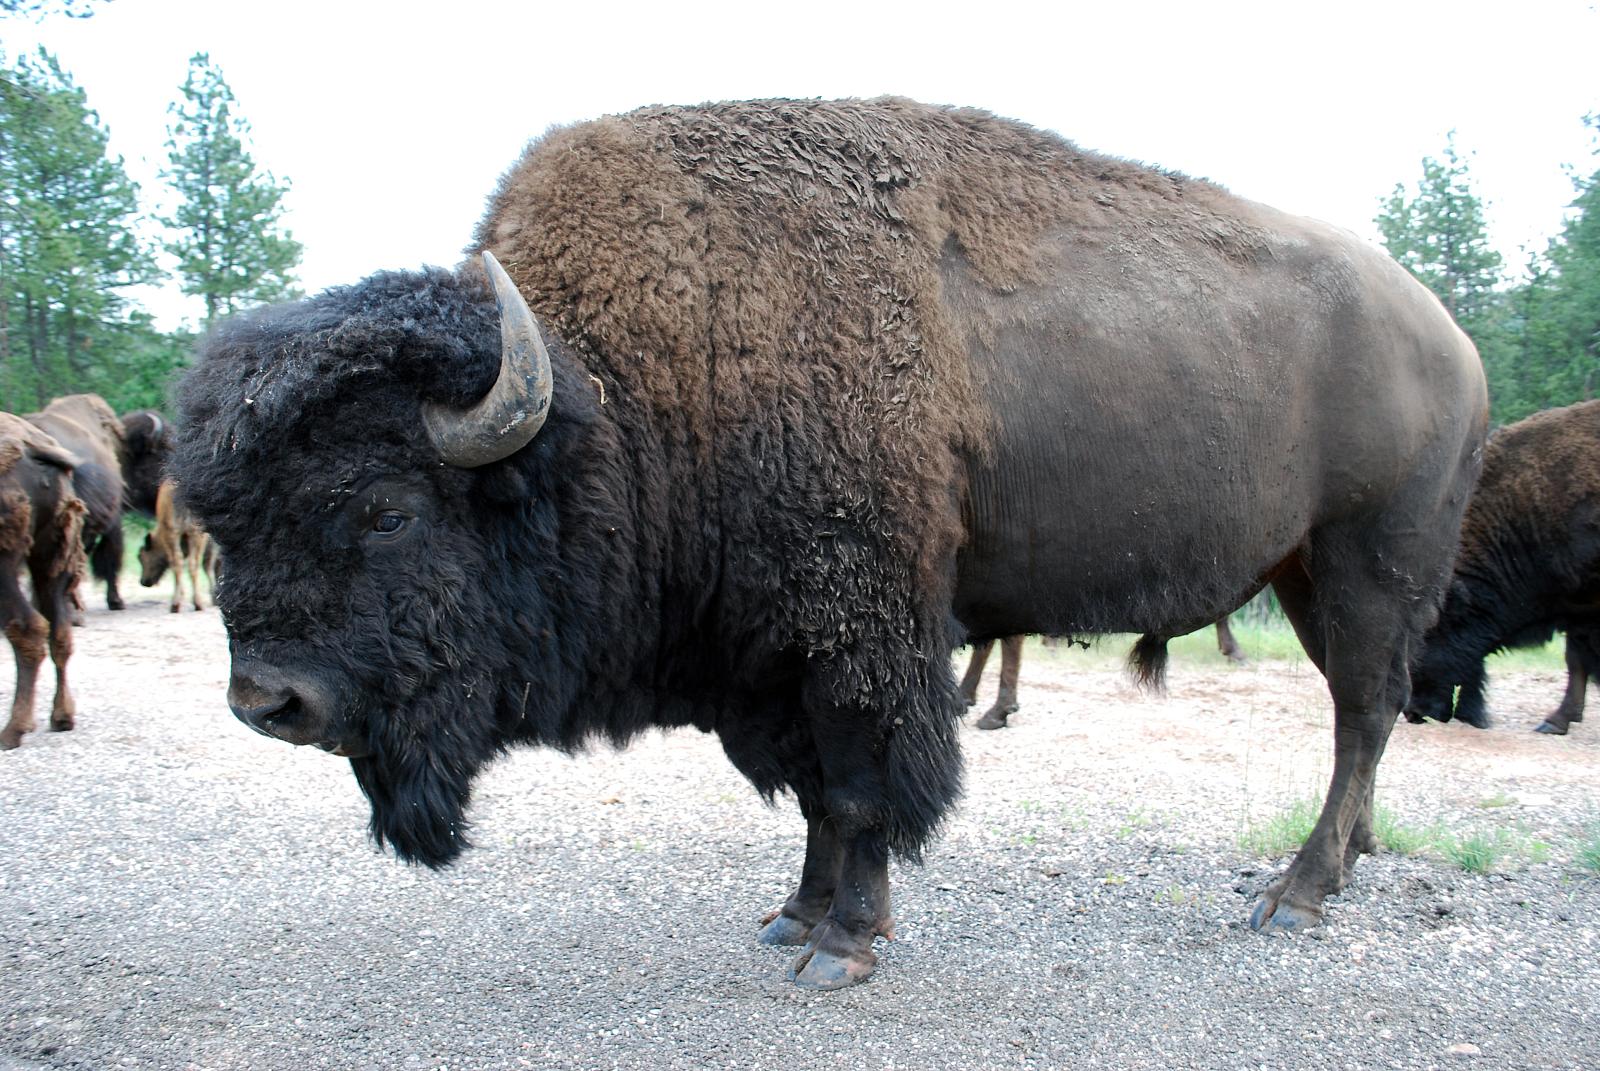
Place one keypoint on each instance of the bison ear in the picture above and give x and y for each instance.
(511, 414)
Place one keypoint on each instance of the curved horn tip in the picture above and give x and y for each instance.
(512, 412)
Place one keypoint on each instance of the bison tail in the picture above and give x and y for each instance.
(1147, 662)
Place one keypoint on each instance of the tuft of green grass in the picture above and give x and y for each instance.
(1499, 799)
(1397, 837)
(1588, 853)
(1283, 832)
(1477, 852)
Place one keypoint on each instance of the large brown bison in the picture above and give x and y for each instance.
(41, 530)
(1529, 565)
(774, 404)
(119, 463)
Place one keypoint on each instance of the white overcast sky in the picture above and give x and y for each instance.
(394, 119)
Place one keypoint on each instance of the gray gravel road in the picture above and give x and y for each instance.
(182, 894)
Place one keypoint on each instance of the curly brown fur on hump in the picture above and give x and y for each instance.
(1534, 472)
(726, 264)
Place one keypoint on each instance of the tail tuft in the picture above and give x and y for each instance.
(1147, 662)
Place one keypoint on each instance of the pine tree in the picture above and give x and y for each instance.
(1438, 233)
(1564, 304)
(231, 248)
(68, 242)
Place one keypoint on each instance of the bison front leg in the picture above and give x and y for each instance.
(839, 952)
(792, 923)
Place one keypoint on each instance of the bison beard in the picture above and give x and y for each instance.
(833, 384)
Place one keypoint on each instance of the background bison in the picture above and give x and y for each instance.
(1529, 565)
(41, 530)
(773, 405)
(119, 462)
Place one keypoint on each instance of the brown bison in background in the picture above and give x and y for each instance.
(41, 529)
(178, 543)
(774, 404)
(119, 462)
(1529, 565)
(1005, 702)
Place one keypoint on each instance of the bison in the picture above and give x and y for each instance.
(1005, 702)
(178, 543)
(775, 403)
(1529, 565)
(41, 529)
(120, 462)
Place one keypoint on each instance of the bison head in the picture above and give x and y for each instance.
(343, 452)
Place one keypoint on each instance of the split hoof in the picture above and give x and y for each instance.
(10, 741)
(816, 969)
(1277, 916)
(784, 930)
(1551, 728)
(995, 717)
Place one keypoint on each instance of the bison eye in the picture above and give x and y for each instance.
(389, 522)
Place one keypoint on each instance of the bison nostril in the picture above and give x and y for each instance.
(269, 712)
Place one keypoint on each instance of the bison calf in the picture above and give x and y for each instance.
(1529, 565)
(41, 528)
(179, 543)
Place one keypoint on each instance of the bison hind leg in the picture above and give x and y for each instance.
(1359, 611)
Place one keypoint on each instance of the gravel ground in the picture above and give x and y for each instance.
(182, 894)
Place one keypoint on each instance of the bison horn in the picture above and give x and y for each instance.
(511, 414)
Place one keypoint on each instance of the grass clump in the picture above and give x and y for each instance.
(1395, 836)
(1283, 832)
(1588, 853)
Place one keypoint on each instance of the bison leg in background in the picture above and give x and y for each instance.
(1472, 701)
(807, 905)
(1359, 632)
(105, 561)
(53, 588)
(1005, 701)
(193, 558)
(169, 544)
(974, 675)
(1227, 646)
(1581, 656)
(28, 632)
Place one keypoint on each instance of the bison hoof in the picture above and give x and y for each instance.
(781, 929)
(995, 717)
(62, 725)
(1277, 916)
(175, 608)
(10, 740)
(1550, 727)
(816, 969)
(116, 604)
